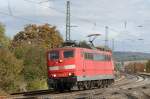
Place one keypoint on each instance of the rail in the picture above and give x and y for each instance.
(144, 74)
(128, 82)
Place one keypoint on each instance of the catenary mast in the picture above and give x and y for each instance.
(68, 22)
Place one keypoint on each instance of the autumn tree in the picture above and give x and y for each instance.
(135, 67)
(148, 66)
(35, 69)
(10, 71)
(10, 66)
(45, 35)
(4, 40)
(31, 45)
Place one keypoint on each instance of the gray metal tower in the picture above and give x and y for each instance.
(106, 36)
(68, 22)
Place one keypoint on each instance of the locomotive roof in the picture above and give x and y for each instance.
(87, 49)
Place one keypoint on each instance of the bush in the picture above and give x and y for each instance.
(148, 66)
(30, 45)
(37, 85)
(34, 63)
(10, 67)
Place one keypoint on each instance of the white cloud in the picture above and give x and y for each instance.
(34, 9)
(84, 14)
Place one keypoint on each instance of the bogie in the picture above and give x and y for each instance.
(83, 85)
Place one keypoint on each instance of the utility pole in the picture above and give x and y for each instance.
(106, 36)
(68, 22)
(113, 45)
(125, 24)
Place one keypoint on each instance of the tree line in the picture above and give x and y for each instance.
(23, 58)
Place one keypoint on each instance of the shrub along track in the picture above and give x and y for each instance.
(128, 87)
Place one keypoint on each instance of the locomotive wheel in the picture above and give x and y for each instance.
(92, 84)
(89, 84)
(99, 84)
(103, 84)
(80, 85)
(85, 85)
(113, 81)
(107, 83)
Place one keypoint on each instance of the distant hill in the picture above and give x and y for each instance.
(128, 56)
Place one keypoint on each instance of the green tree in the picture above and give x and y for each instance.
(10, 67)
(10, 71)
(2, 31)
(34, 65)
(148, 66)
(35, 69)
(31, 45)
(4, 40)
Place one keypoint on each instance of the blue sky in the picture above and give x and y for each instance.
(91, 16)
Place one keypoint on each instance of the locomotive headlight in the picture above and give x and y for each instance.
(70, 74)
(54, 75)
(60, 61)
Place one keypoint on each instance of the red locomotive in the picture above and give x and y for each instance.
(75, 65)
(83, 67)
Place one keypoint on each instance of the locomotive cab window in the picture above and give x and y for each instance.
(107, 58)
(54, 55)
(88, 56)
(68, 54)
(99, 57)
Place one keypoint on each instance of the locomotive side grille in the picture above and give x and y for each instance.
(69, 67)
(62, 67)
(54, 68)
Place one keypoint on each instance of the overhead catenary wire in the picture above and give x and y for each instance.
(19, 17)
(63, 12)
(9, 8)
(39, 4)
(44, 1)
(12, 14)
(60, 11)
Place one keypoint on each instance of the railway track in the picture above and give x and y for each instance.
(130, 89)
(125, 87)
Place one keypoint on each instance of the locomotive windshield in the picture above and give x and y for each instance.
(68, 54)
(54, 55)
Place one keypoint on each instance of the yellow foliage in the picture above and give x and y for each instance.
(10, 70)
(43, 35)
(37, 85)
